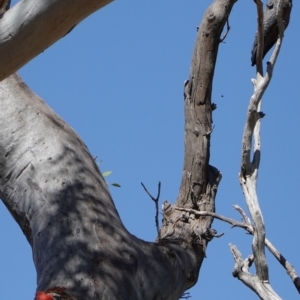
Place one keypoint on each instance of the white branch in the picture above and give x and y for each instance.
(31, 26)
(249, 172)
(261, 288)
(246, 224)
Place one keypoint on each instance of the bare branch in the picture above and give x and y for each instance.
(243, 214)
(27, 29)
(233, 222)
(281, 259)
(241, 271)
(240, 264)
(249, 228)
(249, 169)
(156, 200)
(288, 267)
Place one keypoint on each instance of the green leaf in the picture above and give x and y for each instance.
(107, 173)
(116, 184)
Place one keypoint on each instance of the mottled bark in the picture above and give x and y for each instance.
(55, 191)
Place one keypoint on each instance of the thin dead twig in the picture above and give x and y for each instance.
(156, 200)
(249, 228)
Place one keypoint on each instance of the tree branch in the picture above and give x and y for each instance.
(63, 205)
(249, 170)
(156, 204)
(198, 109)
(91, 241)
(199, 180)
(249, 228)
(233, 222)
(31, 26)
(241, 271)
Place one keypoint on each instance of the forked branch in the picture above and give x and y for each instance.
(155, 200)
(249, 170)
(246, 224)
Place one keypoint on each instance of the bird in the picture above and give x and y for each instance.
(46, 296)
(270, 26)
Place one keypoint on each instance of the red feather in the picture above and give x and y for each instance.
(43, 296)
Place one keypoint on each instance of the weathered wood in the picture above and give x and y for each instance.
(199, 179)
(259, 283)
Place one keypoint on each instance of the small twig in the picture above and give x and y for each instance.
(156, 200)
(240, 264)
(249, 228)
(233, 222)
(243, 214)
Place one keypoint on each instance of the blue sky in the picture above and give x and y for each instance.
(117, 79)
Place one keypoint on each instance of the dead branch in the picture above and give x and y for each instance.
(241, 271)
(233, 222)
(30, 27)
(249, 169)
(288, 267)
(156, 200)
(249, 228)
(243, 214)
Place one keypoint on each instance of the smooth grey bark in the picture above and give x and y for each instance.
(56, 193)
(54, 190)
(31, 26)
